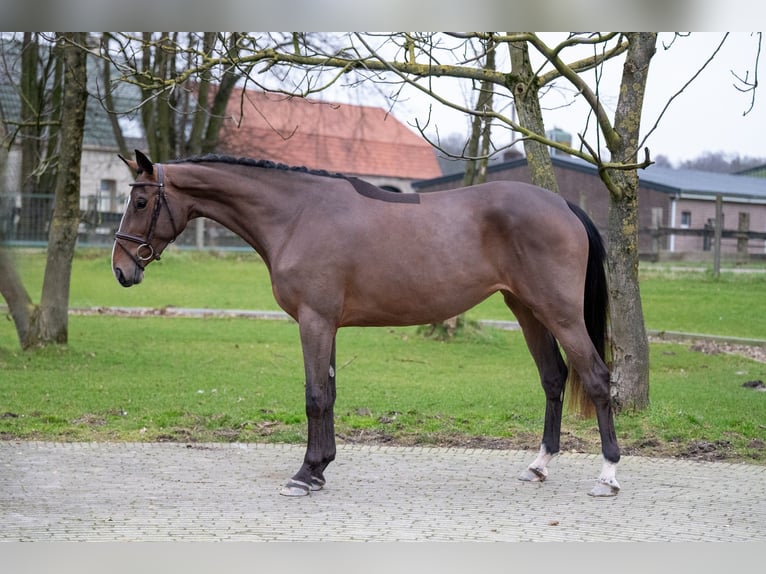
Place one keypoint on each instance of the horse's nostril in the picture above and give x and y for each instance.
(121, 277)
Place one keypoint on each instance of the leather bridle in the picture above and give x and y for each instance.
(145, 251)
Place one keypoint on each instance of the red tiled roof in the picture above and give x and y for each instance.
(345, 138)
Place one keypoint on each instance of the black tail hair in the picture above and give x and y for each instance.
(595, 305)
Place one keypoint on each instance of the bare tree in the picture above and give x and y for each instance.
(51, 322)
(48, 322)
(184, 82)
(39, 82)
(630, 347)
(182, 120)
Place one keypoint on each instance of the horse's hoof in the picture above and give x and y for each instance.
(316, 483)
(604, 489)
(296, 488)
(533, 475)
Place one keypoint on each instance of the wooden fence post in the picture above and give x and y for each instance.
(717, 240)
(742, 228)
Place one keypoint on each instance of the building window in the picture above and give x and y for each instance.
(686, 219)
(108, 195)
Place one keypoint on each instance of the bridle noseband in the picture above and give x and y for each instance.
(145, 252)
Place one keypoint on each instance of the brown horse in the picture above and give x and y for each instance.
(341, 252)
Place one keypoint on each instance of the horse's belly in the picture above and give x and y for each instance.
(397, 303)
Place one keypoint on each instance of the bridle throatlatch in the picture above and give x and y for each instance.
(145, 252)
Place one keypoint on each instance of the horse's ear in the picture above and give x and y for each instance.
(144, 163)
(130, 163)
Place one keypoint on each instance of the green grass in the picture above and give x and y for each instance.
(162, 378)
(121, 375)
(180, 279)
(731, 305)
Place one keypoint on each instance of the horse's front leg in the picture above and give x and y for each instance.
(318, 342)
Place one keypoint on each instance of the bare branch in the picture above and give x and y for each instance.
(676, 36)
(588, 63)
(750, 86)
(552, 55)
(679, 92)
(604, 165)
(269, 61)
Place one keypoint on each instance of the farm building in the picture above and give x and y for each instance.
(668, 198)
(363, 141)
(757, 171)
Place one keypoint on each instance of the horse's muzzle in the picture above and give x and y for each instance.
(129, 280)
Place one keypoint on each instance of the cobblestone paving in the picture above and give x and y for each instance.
(148, 492)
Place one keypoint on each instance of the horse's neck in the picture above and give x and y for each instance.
(258, 208)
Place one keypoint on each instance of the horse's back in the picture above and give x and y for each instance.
(522, 195)
(510, 208)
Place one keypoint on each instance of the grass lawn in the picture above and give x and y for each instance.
(162, 378)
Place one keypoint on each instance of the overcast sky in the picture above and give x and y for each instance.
(707, 117)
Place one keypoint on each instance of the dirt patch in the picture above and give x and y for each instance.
(758, 385)
(709, 347)
(528, 441)
(711, 451)
(90, 419)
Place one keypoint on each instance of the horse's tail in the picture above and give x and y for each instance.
(595, 309)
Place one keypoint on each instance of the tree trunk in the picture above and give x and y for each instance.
(193, 144)
(106, 74)
(218, 111)
(32, 207)
(173, 125)
(165, 120)
(49, 324)
(523, 85)
(11, 286)
(630, 347)
(16, 297)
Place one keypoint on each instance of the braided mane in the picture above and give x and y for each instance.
(361, 186)
(262, 163)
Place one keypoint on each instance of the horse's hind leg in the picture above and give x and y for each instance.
(595, 382)
(553, 374)
(318, 342)
(594, 377)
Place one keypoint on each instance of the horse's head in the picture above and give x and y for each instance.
(148, 224)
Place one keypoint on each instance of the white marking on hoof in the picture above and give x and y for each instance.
(295, 488)
(534, 475)
(607, 484)
(602, 489)
(538, 470)
(316, 483)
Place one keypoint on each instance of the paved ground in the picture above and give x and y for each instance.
(147, 492)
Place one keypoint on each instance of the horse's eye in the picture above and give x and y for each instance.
(141, 202)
